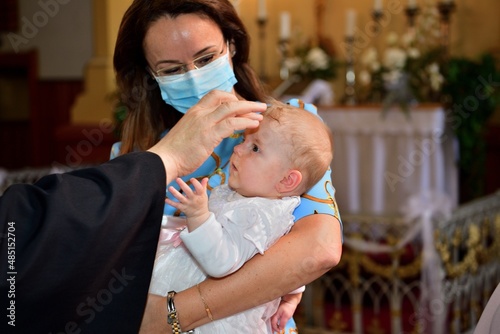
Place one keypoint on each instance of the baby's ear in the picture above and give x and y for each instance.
(290, 182)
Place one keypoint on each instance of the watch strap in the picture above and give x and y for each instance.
(172, 318)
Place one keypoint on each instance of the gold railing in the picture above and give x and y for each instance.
(376, 286)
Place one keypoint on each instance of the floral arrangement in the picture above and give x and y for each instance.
(408, 70)
(311, 62)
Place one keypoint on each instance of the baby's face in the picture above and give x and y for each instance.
(258, 164)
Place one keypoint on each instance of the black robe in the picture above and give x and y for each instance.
(77, 249)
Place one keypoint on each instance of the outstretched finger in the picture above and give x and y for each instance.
(176, 193)
(184, 187)
(198, 187)
(244, 109)
(212, 100)
(228, 126)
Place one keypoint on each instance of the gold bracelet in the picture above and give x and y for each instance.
(209, 313)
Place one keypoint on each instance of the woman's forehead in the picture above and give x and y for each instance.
(187, 32)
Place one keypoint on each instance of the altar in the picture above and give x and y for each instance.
(407, 247)
(382, 159)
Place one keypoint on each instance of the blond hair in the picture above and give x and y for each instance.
(307, 140)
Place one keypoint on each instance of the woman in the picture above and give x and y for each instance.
(168, 54)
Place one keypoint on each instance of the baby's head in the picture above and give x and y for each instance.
(286, 155)
(304, 138)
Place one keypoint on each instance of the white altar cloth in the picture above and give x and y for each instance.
(380, 162)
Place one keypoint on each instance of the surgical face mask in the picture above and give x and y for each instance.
(182, 91)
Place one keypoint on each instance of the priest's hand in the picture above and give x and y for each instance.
(191, 141)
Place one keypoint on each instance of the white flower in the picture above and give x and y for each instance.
(375, 66)
(408, 38)
(292, 63)
(395, 58)
(436, 81)
(365, 78)
(413, 53)
(392, 38)
(317, 58)
(435, 76)
(433, 68)
(369, 57)
(392, 76)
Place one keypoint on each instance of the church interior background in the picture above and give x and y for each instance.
(410, 89)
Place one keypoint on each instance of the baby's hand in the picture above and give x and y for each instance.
(285, 311)
(194, 203)
(282, 315)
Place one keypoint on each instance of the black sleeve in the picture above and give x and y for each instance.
(78, 248)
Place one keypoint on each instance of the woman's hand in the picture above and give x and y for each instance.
(191, 141)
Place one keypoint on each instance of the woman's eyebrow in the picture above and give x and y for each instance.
(196, 55)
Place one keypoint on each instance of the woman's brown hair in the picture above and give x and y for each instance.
(147, 114)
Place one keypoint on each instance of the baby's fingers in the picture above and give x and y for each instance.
(185, 188)
(275, 321)
(200, 188)
(180, 197)
(174, 204)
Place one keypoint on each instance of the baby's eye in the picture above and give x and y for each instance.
(255, 148)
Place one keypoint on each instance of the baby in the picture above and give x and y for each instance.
(276, 163)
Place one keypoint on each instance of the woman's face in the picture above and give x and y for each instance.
(170, 42)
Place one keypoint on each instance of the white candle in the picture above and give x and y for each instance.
(412, 3)
(377, 6)
(262, 12)
(285, 25)
(236, 5)
(350, 22)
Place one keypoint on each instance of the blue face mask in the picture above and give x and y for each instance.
(182, 91)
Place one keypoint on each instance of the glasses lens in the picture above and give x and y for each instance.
(198, 63)
(178, 69)
(204, 60)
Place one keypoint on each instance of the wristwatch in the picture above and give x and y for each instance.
(172, 318)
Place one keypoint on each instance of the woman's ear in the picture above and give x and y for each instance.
(232, 48)
(290, 182)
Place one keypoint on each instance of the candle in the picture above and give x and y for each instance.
(412, 3)
(350, 22)
(262, 13)
(236, 5)
(285, 25)
(377, 6)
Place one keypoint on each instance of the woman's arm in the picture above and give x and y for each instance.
(312, 247)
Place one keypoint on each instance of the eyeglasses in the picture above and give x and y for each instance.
(198, 63)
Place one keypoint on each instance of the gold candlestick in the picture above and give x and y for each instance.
(350, 75)
(411, 14)
(283, 46)
(445, 9)
(261, 22)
